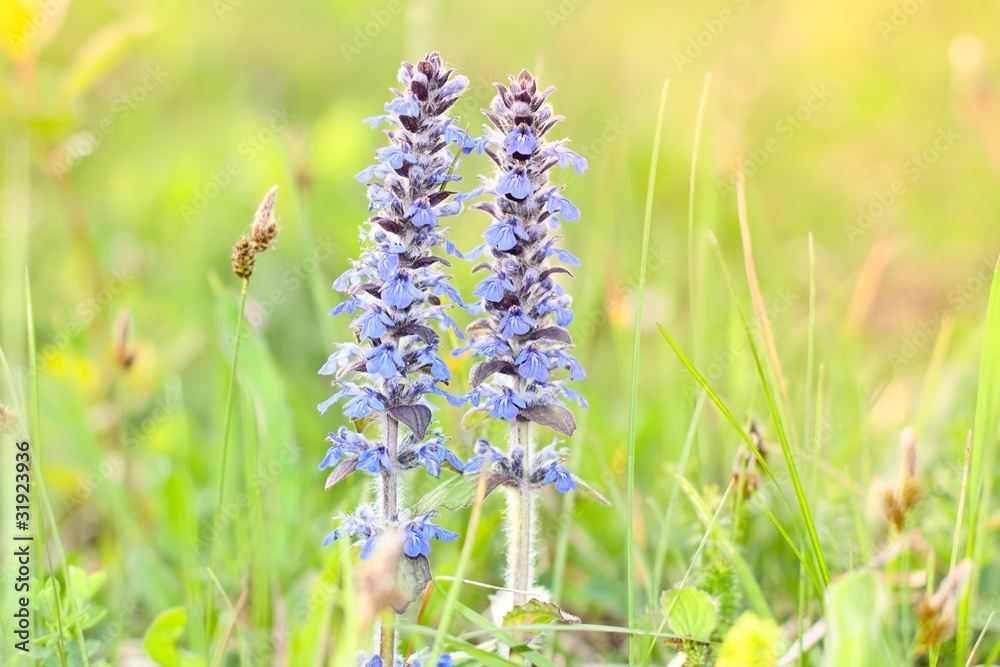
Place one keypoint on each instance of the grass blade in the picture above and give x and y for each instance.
(786, 449)
(749, 443)
(984, 446)
(634, 392)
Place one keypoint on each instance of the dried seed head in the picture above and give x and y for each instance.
(265, 226)
(125, 354)
(936, 612)
(746, 467)
(898, 504)
(243, 257)
(8, 418)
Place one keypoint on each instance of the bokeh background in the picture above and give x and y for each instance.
(138, 138)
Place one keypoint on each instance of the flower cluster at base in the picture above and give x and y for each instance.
(523, 338)
(394, 291)
(546, 467)
(415, 660)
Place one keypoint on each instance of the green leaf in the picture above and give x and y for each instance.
(161, 639)
(536, 612)
(690, 612)
(101, 53)
(474, 418)
(457, 492)
(411, 579)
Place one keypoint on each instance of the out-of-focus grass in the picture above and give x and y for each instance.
(207, 105)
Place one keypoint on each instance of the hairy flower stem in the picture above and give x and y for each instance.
(387, 637)
(389, 500)
(389, 508)
(521, 519)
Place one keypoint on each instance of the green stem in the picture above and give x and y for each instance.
(230, 394)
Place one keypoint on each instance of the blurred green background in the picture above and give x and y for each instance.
(138, 138)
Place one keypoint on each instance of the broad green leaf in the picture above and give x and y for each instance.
(473, 418)
(690, 612)
(536, 612)
(457, 492)
(161, 640)
(856, 632)
(412, 577)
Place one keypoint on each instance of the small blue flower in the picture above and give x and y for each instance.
(566, 157)
(375, 459)
(360, 525)
(439, 369)
(563, 359)
(400, 291)
(520, 142)
(484, 451)
(387, 261)
(372, 323)
(420, 532)
(563, 206)
(532, 364)
(492, 287)
(515, 184)
(433, 454)
(405, 105)
(396, 155)
(343, 442)
(515, 323)
(368, 173)
(503, 234)
(505, 405)
(363, 403)
(494, 346)
(561, 476)
(453, 87)
(421, 214)
(384, 360)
